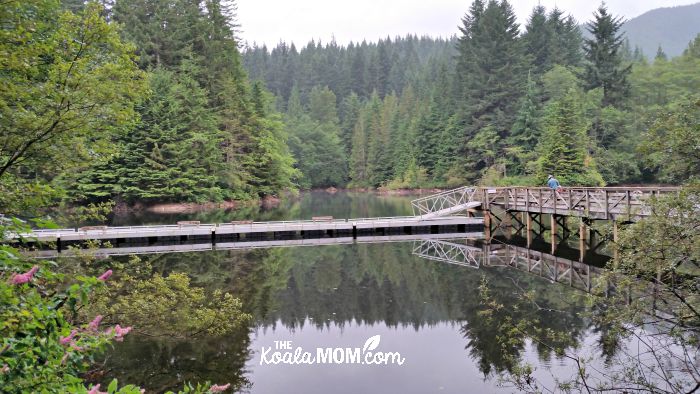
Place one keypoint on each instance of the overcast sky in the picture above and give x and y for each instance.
(298, 21)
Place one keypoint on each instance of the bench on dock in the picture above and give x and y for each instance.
(188, 223)
(89, 228)
(322, 218)
(242, 222)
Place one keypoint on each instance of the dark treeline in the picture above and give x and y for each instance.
(205, 133)
(159, 105)
(496, 104)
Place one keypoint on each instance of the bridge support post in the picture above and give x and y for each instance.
(553, 232)
(615, 239)
(508, 222)
(487, 225)
(582, 240)
(529, 229)
(58, 244)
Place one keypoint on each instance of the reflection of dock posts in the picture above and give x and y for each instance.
(507, 224)
(487, 225)
(615, 239)
(553, 232)
(582, 240)
(486, 254)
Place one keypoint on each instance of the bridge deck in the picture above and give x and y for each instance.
(212, 230)
(590, 202)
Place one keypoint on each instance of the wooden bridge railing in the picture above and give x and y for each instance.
(591, 202)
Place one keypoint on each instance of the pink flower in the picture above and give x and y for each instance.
(219, 389)
(105, 276)
(68, 339)
(96, 390)
(18, 279)
(92, 326)
(120, 332)
(76, 347)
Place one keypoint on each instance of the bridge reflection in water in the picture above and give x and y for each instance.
(476, 254)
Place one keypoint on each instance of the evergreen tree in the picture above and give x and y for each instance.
(350, 113)
(537, 39)
(693, 49)
(492, 69)
(565, 39)
(660, 54)
(172, 155)
(314, 140)
(379, 159)
(563, 148)
(604, 67)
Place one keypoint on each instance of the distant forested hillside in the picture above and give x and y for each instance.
(672, 28)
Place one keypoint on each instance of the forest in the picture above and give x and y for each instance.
(496, 104)
(187, 113)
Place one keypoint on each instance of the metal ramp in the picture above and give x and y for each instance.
(448, 252)
(445, 203)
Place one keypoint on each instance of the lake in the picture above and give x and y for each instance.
(420, 319)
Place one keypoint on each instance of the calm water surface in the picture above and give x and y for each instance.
(339, 297)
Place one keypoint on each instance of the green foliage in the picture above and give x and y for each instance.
(563, 148)
(315, 140)
(171, 155)
(35, 316)
(671, 142)
(604, 66)
(169, 306)
(69, 83)
(205, 133)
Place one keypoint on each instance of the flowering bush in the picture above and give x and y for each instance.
(44, 348)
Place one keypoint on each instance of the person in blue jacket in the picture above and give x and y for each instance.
(553, 183)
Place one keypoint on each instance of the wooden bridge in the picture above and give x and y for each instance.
(595, 203)
(431, 212)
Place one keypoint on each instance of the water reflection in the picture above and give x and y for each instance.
(340, 295)
(332, 295)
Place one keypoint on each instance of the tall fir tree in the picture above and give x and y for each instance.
(604, 65)
(492, 72)
(563, 147)
(537, 39)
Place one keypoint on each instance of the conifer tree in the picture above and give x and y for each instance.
(604, 67)
(493, 70)
(563, 148)
(537, 39)
(660, 54)
(172, 155)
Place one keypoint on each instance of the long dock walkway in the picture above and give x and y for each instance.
(195, 230)
(124, 250)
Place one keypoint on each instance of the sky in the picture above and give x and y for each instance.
(299, 21)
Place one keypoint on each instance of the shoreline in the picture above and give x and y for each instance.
(267, 202)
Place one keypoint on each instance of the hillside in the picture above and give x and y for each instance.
(672, 28)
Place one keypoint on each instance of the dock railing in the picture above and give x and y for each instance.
(593, 202)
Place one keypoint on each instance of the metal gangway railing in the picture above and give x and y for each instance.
(448, 252)
(446, 203)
